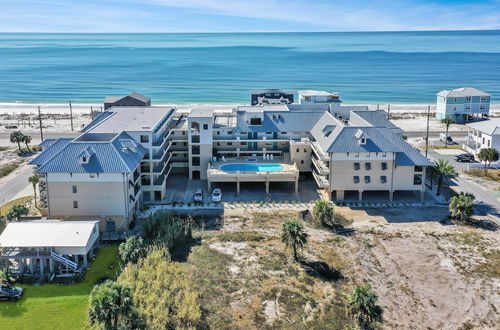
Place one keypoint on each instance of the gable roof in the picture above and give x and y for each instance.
(280, 121)
(121, 154)
(134, 95)
(47, 233)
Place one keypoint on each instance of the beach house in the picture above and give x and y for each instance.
(271, 96)
(311, 97)
(132, 100)
(482, 134)
(463, 104)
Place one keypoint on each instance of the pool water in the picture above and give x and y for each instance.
(251, 167)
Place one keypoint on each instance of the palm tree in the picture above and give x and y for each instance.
(26, 140)
(447, 122)
(323, 212)
(132, 249)
(17, 137)
(293, 235)
(431, 174)
(363, 306)
(444, 170)
(462, 206)
(34, 179)
(110, 305)
(488, 155)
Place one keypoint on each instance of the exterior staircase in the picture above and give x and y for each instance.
(65, 261)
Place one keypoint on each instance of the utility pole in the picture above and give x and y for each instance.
(389, 112)
(40, 121)
(427, 133)
(378, 106)
(71, 114)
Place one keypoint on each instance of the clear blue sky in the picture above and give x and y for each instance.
(246, 16)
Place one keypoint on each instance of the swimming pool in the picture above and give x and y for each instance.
(251, 167)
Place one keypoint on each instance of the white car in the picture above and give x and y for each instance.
(198, 196)
(217, 195)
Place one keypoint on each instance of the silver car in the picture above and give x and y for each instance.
(198, 196)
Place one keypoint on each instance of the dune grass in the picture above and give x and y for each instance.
(4, 209)
(53, 306)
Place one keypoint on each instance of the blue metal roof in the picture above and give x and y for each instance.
(121, 155)
(282, 121)
(51, 148)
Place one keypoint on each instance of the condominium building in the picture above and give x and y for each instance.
(124, 156)
(462, 104)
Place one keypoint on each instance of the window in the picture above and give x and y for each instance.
(92, 175)
(417, 179)
(384, 166)
(383, 179)
(481, 107)
(368, 166)
(483, 98)
(356, 179)
(195, 150)
(174, 143)
(255, 121)
(243, 143)
(230, 143)
(483, 140)
(362, 141)
(75, 204)
(356, 166)
(467, 107)
(468, 98)
(488, 143)
(73, 188)
(195, 161)
(218, 132)
(84, 159)
(454, 108)
(302, 161)
(298, 149)
(195, 139)
(455, 100)
(305, 150)
(205, 126)
(144, 138)
(269, 133)
(418, 169)
(367, 179)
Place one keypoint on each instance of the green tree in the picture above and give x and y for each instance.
(444, 170)
(132, 249)
(363, 308)
(171, 230)
(17, 137)
(6, 278)
(487, 156)
(293, 236)
(26, 141)
(111, 307)
(163, 291)
(323, 213)
(34, 179)
(447, 122)
(17, 211)
(462, 206)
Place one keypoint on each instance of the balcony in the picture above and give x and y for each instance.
(318, 151)
(320, 180)
(320, 166)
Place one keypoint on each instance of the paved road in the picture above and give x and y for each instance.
(15, 182)
(5, 136)
(486, 202)
(435, 134)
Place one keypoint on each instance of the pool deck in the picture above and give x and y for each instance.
(290, 173)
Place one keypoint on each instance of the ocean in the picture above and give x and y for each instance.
(371, 67)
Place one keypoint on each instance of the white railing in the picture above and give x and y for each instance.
(320, 166)
(320, 180)
(66, 262)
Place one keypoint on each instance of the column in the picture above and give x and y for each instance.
(391, 195)
(51, 266)
(267, 187)
(42, 267)
(31, 266)
(360, 192)
(422, 196)
(296, 185)
(339, 195)
(85, 262)
(237, 186)
(209, 185)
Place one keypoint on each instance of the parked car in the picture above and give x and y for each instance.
(10, 293)
(445, 138)
(464, 158)
(217, 195)
(198, 196)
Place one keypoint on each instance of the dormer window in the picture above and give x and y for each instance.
(255, 121)
(362, 141)
(84, 159)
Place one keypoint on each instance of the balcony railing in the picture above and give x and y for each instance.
(320, 180)
(320, 166)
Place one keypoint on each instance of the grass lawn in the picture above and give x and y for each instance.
(52, 306)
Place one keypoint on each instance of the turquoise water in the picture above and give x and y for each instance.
(375, 67)
(255, 167)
